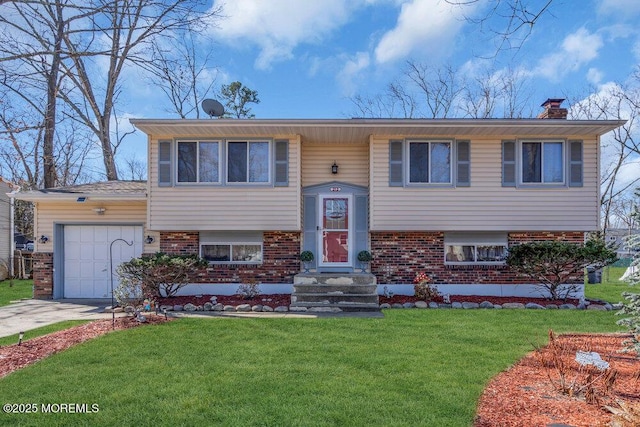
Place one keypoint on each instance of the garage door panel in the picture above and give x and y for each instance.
(86, 257)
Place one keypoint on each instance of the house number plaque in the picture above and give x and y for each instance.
(336, 189)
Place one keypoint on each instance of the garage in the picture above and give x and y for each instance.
(86, 257)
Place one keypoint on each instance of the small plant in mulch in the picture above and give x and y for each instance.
(249, 290)
(577, 373)
(423, 289)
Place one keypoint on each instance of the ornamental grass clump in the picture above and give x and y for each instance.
(423, 289)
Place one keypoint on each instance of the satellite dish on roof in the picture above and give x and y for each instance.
(212, 107)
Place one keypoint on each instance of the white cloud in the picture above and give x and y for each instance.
(623, 9)
(577, 49)
(594, 76)
(351, 70)
(278, 26)
(424, 26)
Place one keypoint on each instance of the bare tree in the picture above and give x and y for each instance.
(614, 102)
(438, 88)
(508, 22)
(180, 69)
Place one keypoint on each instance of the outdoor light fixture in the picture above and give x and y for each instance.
(334, 168)
(149, 240)
(43, 239)
(20, 336)
(99, 211)
(164, 310)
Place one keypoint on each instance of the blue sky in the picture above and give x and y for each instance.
(306, 58)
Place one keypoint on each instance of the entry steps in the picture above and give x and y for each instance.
(335, 292)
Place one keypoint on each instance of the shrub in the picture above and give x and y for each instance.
(157, 275)
(554, 263)
(364, 256)
(249, 290)
(423, 289)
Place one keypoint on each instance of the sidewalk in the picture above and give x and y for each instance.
(30, 314)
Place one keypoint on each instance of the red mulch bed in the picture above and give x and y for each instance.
(275, 300)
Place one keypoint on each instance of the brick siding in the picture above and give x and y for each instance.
(42, 275)
(280, 258)
(399, 256)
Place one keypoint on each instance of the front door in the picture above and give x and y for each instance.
(335, 231)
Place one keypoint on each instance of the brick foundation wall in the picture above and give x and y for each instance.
(42, 275)
(280, 258)
(399, 256)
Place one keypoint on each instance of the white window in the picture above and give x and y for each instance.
(429, 162)
(231, 247)
(542, 162)
(475, 248)
(248, 161)
(198, 161)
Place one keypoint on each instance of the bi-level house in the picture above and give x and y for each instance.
(445, 197)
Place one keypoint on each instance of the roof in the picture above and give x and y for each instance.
(346, 131)
(106, 190)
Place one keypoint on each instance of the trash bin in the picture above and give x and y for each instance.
(593, 275)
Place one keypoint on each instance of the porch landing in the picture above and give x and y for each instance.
(333, 292)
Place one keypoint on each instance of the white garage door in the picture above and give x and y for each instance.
(86, 257)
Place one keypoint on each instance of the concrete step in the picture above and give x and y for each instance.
(346, 292)
(343, 306)
(332, 298)
(334, 289)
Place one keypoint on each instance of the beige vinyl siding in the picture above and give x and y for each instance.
(225, 207)
(49, 213)
(352, 161)
(485, 205)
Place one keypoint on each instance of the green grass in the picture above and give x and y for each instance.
(44, 330)
(413, 367)
(20, 289)
(611, 288)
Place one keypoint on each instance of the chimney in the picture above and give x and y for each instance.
(552, 109)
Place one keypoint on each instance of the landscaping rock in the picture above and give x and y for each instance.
(608, 306)
(300, 309)
(470, 305)
(189, 307)
(177, 307)
(582, 306)
(456, 305)
(166, 307)
(433, 304)
(512, 305)
(257, 307)
(486, 304)
(534, 306)
(243, 307)
(129, 309)
(229, 308)
(214, 300)
(207, 306)
(217, 307)
(385, 305)
(325, 309)
(267, 309)
(408, 305)
(497, 306)
(199, 308)
(551, 307)
(597, 307)
(397, 305)
(281, 309)
(444, 305)
(567, 307)
(617, 306)
(421, 304)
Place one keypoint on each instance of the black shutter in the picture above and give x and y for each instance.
(575, 164)
(396, 169)
(164, 163)
(463, 164)
(508, 163)
(281, 163)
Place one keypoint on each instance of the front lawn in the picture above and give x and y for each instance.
(412, 367)
(20, 289)
(611, 288)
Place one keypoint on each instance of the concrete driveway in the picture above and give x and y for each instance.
(30, 314)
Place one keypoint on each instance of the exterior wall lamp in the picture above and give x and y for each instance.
(334, 168)
(43, 239)
(99, 211)
(149, 240)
